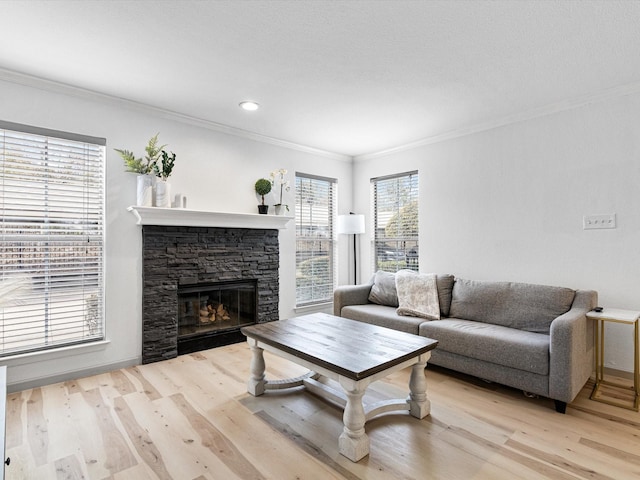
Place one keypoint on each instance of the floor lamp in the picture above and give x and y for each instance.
(352, 224)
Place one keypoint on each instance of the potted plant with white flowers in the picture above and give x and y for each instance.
(277, 179)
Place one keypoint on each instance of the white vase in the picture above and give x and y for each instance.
(163, 194)
(144, 192)
(279, 209)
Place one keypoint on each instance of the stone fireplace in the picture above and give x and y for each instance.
(213, 278)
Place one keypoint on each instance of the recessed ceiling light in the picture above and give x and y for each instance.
(249, 106)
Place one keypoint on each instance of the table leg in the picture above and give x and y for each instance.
(354, 442)
(599, 357)
(636, 364)
(419, 404)
(256, 384)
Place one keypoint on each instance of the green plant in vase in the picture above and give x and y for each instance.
(166, 163)
(133, 164)
(263, 187)
(153, 150)
(144, 167)
(163, 168)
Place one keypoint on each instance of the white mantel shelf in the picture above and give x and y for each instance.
(198, 218)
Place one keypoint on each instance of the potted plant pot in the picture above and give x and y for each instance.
(163, 193)
(144, 197)
(263, 209)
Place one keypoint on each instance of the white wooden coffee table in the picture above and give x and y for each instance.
(352, 353)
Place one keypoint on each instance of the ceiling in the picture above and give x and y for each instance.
(350, 77)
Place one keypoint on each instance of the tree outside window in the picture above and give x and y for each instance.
(395, 213)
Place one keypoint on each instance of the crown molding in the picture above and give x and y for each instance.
(87, 94)
(550, 109)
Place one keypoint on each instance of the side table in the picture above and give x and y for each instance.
(629, 317)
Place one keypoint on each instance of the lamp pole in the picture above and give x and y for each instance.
(352, 224)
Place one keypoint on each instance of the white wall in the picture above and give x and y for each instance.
(216, 171)
(503, 204)
(507, 204)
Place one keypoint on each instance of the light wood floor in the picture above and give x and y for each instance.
(191, 418)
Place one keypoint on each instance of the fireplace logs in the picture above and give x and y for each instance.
(214, 311)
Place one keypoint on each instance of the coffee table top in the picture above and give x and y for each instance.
(350, 348)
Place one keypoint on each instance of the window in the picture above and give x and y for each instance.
(315, 256)
(395, 213)
(51, 239)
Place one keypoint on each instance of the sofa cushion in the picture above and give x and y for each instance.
(417, 295)
(516, 305)
(510, 347)
(382, 316)
(383, 290)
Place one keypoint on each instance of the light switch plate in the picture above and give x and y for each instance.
(590, 222)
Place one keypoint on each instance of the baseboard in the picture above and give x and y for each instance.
(40, 382)
(618, 373)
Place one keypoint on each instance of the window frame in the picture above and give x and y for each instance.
(71, 291)
(405, 254)
(327, 237)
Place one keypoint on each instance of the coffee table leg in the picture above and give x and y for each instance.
(353, 442)
(419, 404)
(256, 383)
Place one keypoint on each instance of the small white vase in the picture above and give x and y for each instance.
(163, 194)
(279, 209)
(144, 190)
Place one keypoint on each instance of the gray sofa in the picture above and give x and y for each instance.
(532, 337)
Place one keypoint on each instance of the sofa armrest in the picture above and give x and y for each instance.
(571, 348)
(350, 295)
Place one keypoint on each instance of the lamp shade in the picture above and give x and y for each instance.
(350, 224)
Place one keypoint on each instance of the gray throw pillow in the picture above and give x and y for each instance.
(445, 288)
(383, 290)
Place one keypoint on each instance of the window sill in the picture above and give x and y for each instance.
(53, 354)
(326, 307)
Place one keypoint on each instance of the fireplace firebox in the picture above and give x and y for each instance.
(214, 310)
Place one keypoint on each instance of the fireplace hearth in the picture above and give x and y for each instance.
(205, 265)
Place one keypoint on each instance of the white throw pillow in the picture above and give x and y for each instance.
(417, 295)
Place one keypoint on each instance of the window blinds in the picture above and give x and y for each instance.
(395, 205)
(315, 256)
(51, 239)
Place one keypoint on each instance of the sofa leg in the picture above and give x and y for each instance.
(561, 407)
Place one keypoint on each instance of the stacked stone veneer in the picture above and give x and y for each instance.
(176, 257)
